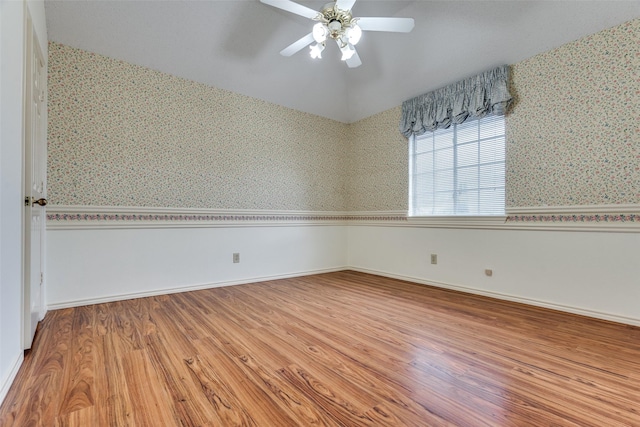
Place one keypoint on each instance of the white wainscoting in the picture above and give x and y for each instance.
(591, 273)
(105, 254)
(92, 265)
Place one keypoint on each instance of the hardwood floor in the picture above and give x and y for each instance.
(338, 349)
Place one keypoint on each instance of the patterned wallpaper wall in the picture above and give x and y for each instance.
(573, 135)
(124, 135)
(378, 164)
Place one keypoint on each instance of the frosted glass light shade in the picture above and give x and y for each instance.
(316, 50)
(347, 52)
(320, 32)
(354, 34)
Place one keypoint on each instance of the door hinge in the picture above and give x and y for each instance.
(41, 278)
(27, 200)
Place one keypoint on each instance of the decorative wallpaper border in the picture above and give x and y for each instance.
(189, 218)
(556, 218)
(625, 217)
(216, 218)
(72, 217)
(576, 218)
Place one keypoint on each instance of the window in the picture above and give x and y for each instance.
(459, 170)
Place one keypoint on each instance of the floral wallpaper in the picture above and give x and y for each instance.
(378, 164)
(124, 135)
(573, 134)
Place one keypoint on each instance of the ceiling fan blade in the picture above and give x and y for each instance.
(397, 25)
(354, 61)
(345, 4)
(292, 7)
(297, 46)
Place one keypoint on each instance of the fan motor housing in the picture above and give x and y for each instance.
(332, 15)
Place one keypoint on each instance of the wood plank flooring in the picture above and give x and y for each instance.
(338, 349)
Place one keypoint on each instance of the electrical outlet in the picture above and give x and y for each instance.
(434, 258)
(236, 258)
(488, 272)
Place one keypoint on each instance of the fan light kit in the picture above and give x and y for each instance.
(336, 22)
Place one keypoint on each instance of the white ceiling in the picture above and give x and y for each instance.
(234, 44)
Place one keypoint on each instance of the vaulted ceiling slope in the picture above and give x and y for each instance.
(234, 44)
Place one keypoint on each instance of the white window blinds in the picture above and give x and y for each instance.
(459, 170)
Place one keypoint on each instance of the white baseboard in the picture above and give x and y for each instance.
(6, 384)
(506, 297)
(121, 297)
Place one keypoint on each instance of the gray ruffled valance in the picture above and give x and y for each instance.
(474, 97)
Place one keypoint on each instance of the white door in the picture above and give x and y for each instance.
(35, 186)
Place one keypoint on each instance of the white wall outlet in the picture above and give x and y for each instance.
(488, 272)
(434, 258)
(236, 258)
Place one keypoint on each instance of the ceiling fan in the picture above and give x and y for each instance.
(336, 22)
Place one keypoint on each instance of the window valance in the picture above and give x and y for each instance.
(475, 97)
